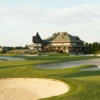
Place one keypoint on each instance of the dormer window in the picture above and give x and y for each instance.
(63, 37)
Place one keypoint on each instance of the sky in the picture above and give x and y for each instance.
(22, 19)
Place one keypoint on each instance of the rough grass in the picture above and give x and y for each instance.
(84, 85)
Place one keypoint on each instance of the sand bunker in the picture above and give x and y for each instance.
(30, 88)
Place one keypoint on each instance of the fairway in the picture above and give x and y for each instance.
(84, 85)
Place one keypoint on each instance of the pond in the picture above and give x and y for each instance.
(2, 58)
(90, 69)
(70, 64)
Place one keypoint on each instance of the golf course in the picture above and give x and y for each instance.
(83, 85)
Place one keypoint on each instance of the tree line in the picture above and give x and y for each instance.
(94, 48)
(4, 49)
(13, 48)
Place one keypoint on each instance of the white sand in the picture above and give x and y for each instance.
(30, 88)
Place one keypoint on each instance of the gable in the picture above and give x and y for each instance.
(60, 39)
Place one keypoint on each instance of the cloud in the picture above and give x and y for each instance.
(69, 15)
(32, 13)
(32, 17)
(3, 9)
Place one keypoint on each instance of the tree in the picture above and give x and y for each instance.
(26, 47)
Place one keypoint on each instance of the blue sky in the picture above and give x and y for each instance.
(21, 19)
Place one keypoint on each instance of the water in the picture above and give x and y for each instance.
(91, 69)
(70, 64)
(2, 58)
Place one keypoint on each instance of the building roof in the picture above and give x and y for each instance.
(37, 38)
(63, 37)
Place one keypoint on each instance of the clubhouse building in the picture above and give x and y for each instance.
(59, 42)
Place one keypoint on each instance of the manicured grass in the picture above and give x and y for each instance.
(84, 85)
